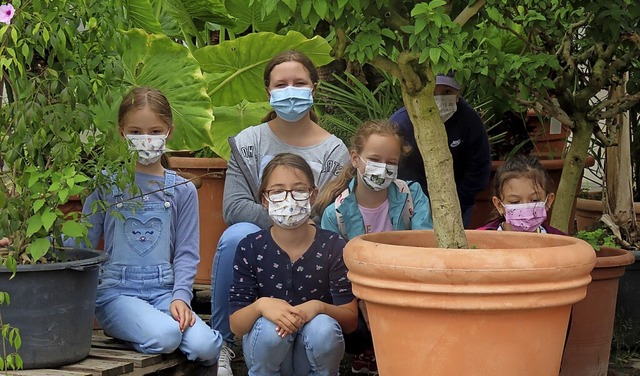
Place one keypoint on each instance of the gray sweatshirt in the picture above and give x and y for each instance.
(251, 150)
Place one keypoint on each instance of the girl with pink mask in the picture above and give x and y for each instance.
(522, 196)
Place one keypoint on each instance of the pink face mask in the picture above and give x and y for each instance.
(525, 217)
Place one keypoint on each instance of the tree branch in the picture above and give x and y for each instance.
(615, 106)
(408, 75)
(387, 65)
(468, 12)
(341, 44)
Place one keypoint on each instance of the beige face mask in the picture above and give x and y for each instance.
(447, 105)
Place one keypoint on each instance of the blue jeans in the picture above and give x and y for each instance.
(143, 319)
(222, 276)
(316, 349)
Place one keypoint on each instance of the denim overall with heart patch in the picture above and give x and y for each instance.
(140, 263)
(136, 284)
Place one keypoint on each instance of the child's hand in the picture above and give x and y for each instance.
(288, 319)
(309, 310)
(181, 312)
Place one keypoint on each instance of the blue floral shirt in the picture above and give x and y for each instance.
(263, 269)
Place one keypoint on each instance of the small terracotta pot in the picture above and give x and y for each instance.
(499, 309)
(589, 344)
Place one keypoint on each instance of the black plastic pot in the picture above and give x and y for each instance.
(627, 324)
(53, 305)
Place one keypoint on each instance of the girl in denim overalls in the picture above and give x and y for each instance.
(145, 287)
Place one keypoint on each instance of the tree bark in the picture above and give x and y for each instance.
(431, 137)
(571, 173)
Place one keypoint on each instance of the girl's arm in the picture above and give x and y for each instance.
(238, 202)
(289, 319)
(186, 241)
(346, 314)
(421, 219)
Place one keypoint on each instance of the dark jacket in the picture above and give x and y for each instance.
(469, 146)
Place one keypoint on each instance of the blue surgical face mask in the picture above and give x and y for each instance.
(291, 103)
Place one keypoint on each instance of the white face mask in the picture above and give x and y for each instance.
(378, 176)
(447, 105)
(148, 147)
(290, 213)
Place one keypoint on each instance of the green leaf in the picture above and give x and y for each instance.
(74, 229)
(48, 217)
(141, 13)
(236, 67)
(248, 14)
(37, 205)
(38, 248)
(434, 55)
(230, 120)
(157, 61)
(34, 224)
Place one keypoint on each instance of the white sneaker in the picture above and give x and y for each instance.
(224, 362)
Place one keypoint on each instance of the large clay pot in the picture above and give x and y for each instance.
(549, 136)
(501, 308)
(589, 343)
(208, 175)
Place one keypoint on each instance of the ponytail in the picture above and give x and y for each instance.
(332, 189)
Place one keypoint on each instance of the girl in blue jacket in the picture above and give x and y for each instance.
(366, 197)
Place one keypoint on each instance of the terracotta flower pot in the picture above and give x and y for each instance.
(588, 212)
(501, 308)
(589, 343)
(208, 175)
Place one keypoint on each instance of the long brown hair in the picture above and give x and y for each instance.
(283, 57)
(332, 189)
(289, 160)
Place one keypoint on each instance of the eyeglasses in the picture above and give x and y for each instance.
(279, 195)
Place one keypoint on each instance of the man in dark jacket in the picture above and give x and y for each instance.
(468, 143)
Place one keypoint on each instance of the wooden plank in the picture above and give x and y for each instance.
(103, 341)
(138, 359)
(46, 372)
(101, 367)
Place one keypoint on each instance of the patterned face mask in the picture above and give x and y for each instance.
(148, 147)
(290, 213)
(525, 217)
(447, 105)
(378, 176)
(291, 103)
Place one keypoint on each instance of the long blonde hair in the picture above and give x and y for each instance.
(332, 189)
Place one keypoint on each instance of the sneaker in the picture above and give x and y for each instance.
(364, 363)
(224, 362)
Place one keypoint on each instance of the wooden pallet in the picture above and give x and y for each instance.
(110, 357)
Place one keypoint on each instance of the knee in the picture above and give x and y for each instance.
(165, 341)
(263, 335)
(205, 346)
(234, 233)
(324, 334)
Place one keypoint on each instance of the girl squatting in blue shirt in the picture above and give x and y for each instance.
(290, 298)
(145, 287)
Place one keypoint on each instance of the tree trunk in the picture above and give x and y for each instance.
(431, 138)
(571, 173)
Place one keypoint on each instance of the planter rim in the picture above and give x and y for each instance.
(194, 162)
(87, 258)
(513, 275)
(610, 257)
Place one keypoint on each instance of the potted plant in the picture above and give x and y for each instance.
(57, 73)
(592, 319)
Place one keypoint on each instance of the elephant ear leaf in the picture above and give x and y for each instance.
(158, 62)
(230, 120)
(142, 13)
(251, 14)
(236, 66)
